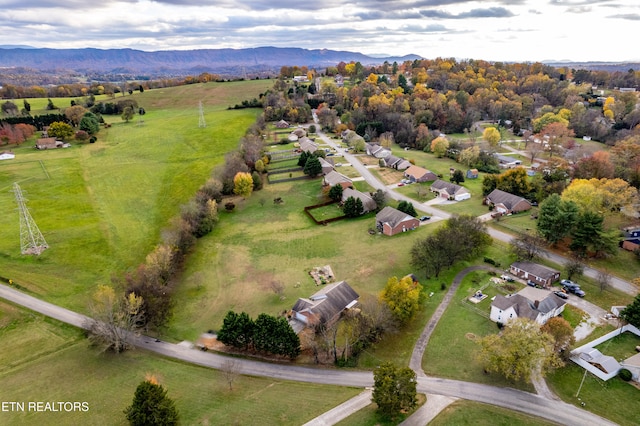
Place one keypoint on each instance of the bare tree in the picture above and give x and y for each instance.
(604, 280)
(278, 288)
(574, 267)
(115, 319)
(527, 246)
(230, 369)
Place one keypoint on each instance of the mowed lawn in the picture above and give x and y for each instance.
(46, 361)
(101, 207)
(234, 266)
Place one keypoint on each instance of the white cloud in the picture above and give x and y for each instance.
(523, 30)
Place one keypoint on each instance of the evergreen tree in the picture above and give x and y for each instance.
(631, 313)
(237, 330)
(151, 406)
(335, 193)
(353, 207)
(312, 167)
(407, 207)
(302, 160)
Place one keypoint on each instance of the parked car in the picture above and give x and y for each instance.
(531, 283)
(568, 283)
(561, 294)
(578, 292)
(401, 184)
(423, 218)
(507, 278)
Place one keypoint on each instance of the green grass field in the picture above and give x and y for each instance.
(43, 360)
(477, 414)
(101, 207)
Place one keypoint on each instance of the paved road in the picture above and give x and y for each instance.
(509, 398)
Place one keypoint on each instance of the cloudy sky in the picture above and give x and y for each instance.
(509, 30)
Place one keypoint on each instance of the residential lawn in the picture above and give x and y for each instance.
(43, 369)
(101, 207)
(614, 399)
(573, 315)
(368, 416)
(477, 414)
(232, 268)
(326, 212)
(451, 349)
(418, 191)
(621, 346)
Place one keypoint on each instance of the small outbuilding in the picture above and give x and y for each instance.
(7, 155)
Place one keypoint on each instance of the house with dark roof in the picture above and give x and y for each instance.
(397, 163)
(327, 165)
(419, 174)
(282, 124)
(506, 203)
(532, 303)
(323, 307)
(334, 178)
(392, 221)
(539, 274)
(450, 191)
(368, 203)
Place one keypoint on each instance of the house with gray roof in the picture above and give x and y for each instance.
(334, 178)
(506, 203)
(307, 145)
(327, 165)
(419, 174)
(539, 274)
(397, 163)
(368, 203)
(507, 162)
(450, 191)
(392, 221)
(540, 309)
(323, 307)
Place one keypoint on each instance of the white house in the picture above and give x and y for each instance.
(7, 155)
(532, 303)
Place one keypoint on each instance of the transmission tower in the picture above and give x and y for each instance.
(31, 239)
(201, 122)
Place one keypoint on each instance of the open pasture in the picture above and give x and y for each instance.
(101, 207)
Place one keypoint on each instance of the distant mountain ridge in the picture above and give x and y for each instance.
(180, 62)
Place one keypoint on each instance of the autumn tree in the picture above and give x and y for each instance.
(403, 297)
(596, 166)
(74, 114)
(521, 347)
(152, 406)
(394, 389)
(561, 331)
(114, 319)
(243, 184)
(469, 156)
(60, 130)
(439, 146)
(492, 136)
(557, 134)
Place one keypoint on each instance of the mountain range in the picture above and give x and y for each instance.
(180, 62)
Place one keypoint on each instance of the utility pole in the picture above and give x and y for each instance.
(201, 122)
